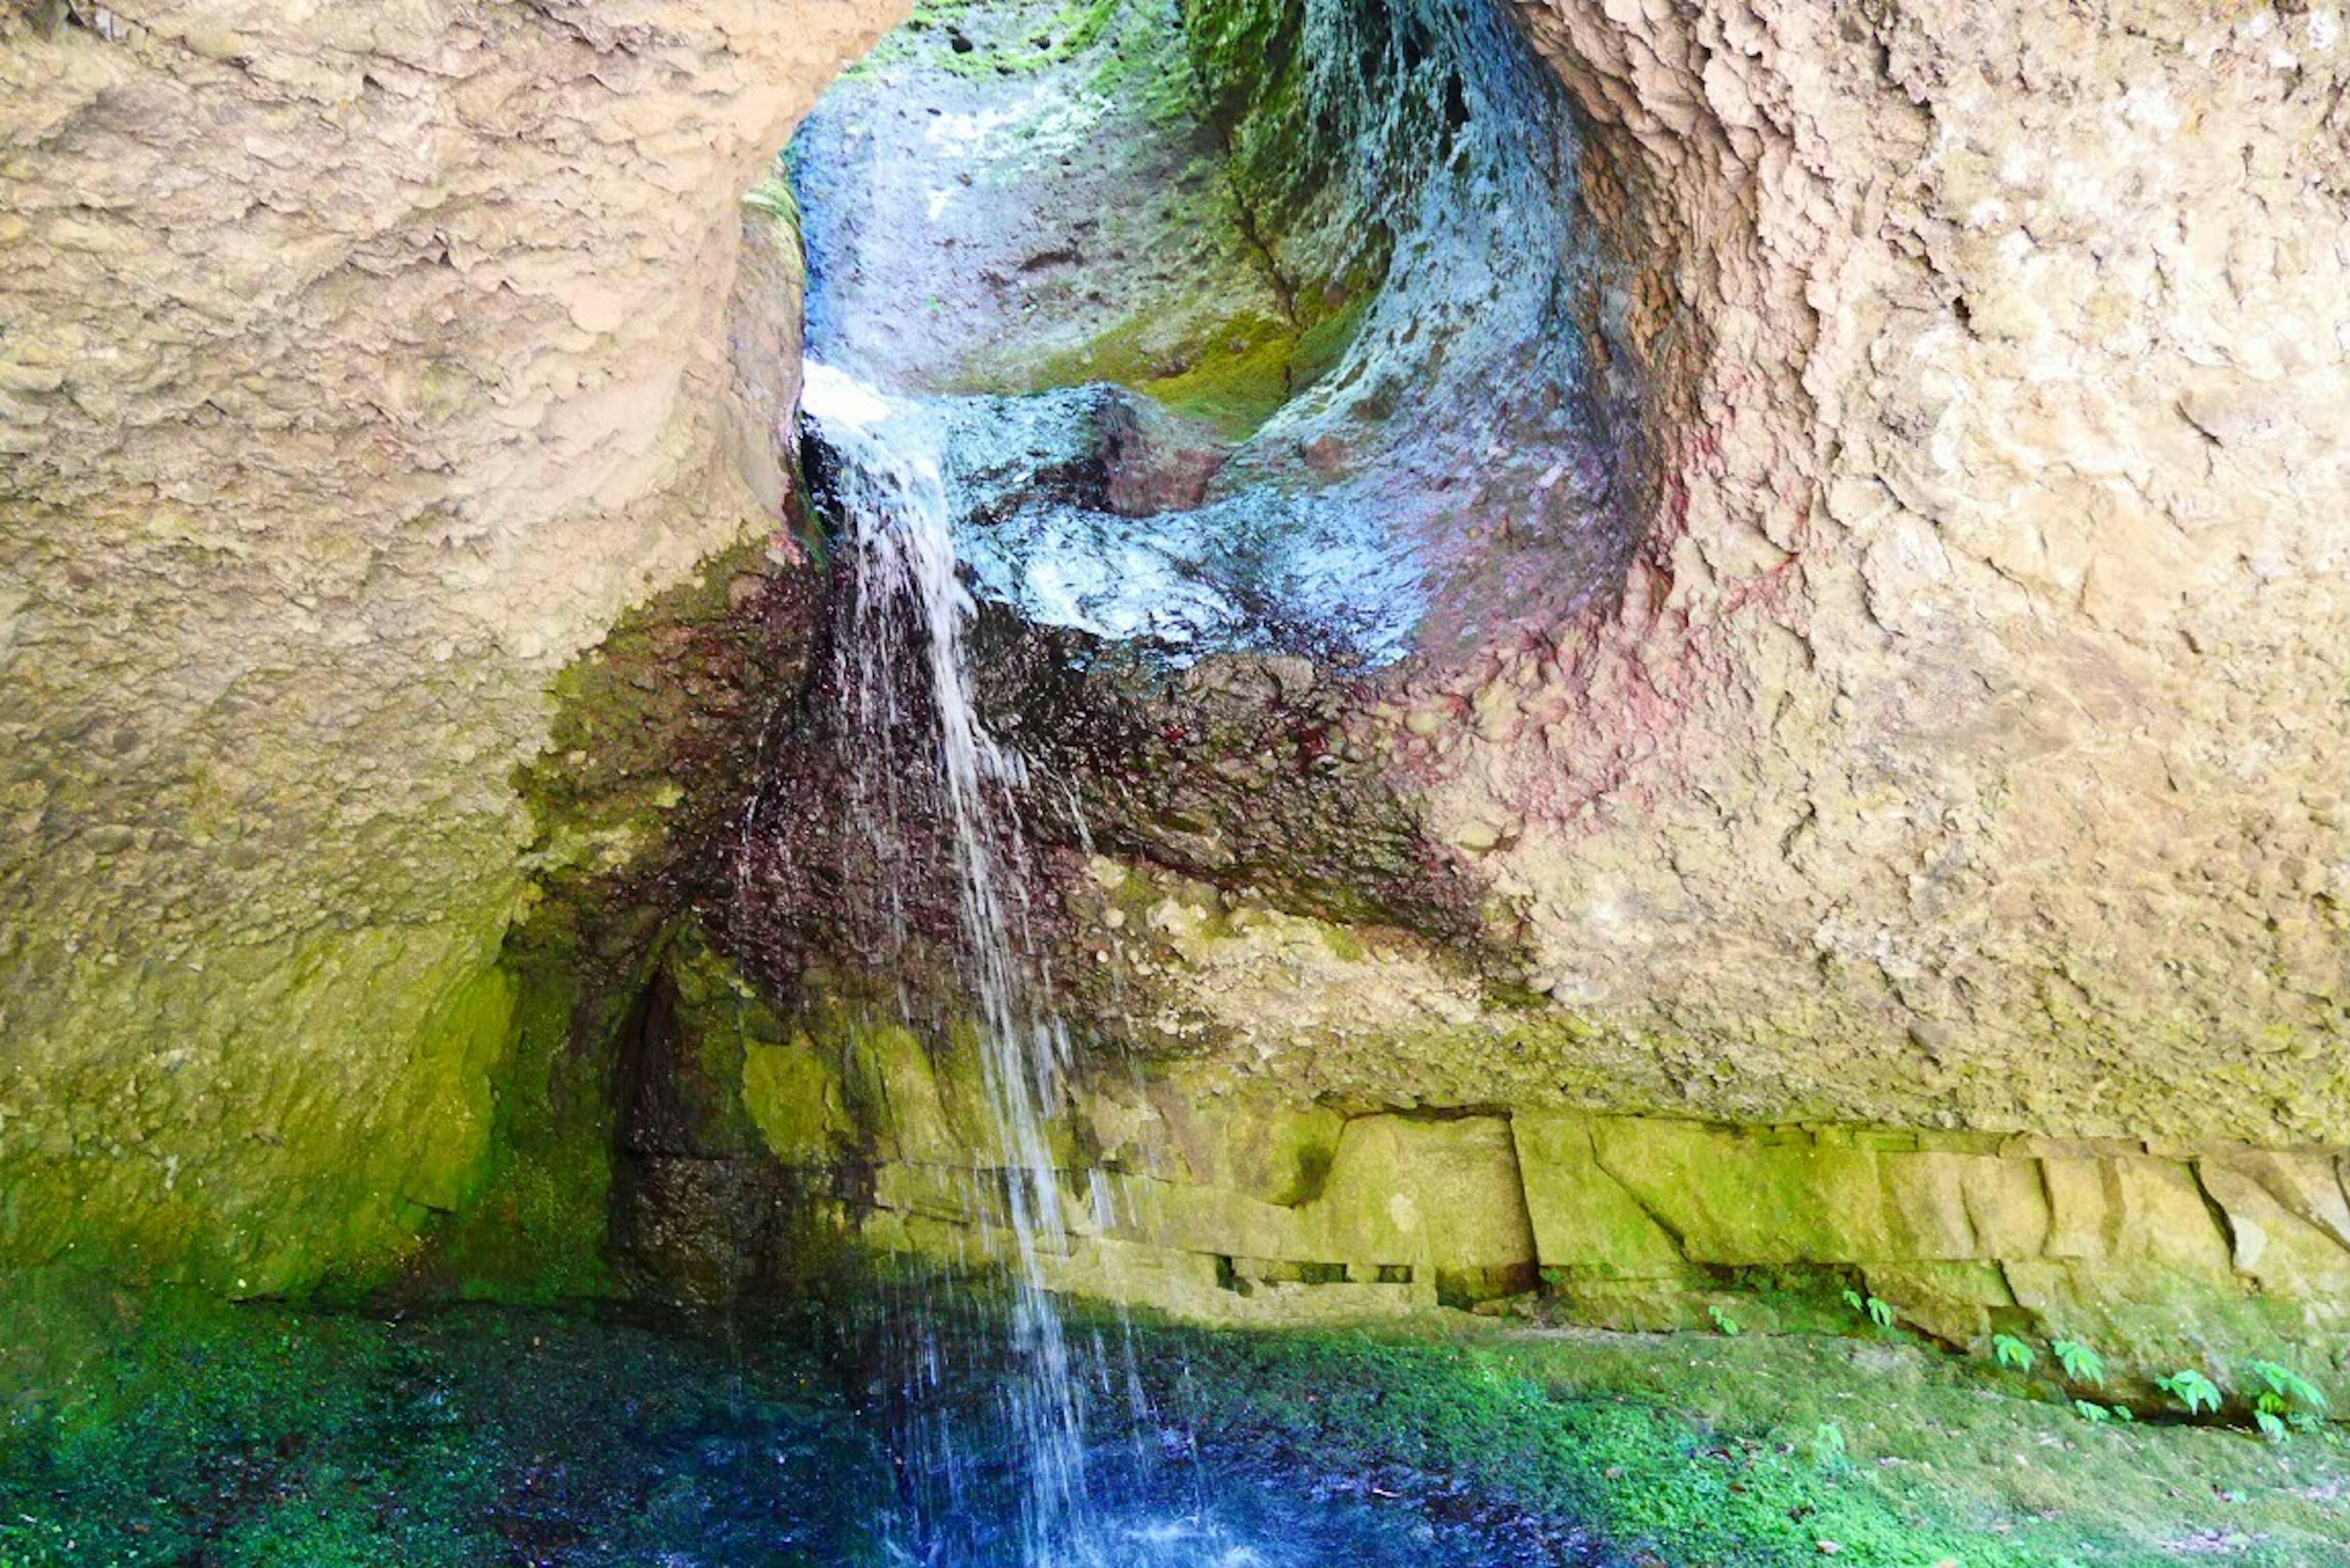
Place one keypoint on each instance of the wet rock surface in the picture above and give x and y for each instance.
(1901, 779)
(1360, 292)
(1009, 197)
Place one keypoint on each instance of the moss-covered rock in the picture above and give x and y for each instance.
(1204, 1188)
(254, 1162)
(655, 735)
(1075, 220)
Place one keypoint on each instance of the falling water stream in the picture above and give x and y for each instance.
(893, 496)
(938, 210)
(904, 681)
(1018, 1478)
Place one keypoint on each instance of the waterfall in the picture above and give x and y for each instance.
(902, 666)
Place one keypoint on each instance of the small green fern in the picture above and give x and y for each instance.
(2080, 1364)
(2288, 1384)
(2191, 1388)
(2287, 1402)
(1874, 1308)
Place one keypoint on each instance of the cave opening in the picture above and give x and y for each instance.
(1258, 327)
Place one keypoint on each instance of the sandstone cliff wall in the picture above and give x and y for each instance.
(1970, 746)
(791, 1141)
(357, 365)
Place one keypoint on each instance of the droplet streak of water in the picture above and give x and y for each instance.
(895, 505)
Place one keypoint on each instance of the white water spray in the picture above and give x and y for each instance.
(895, 505)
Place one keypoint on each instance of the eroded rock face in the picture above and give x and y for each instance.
(1976, 738)
(1964, 747)
(1968, 746)
(357, 368)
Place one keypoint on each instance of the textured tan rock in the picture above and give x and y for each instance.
(1968, 749)
(1747, 1198)
(1972, 744)
(1969, 745)
(2288, 1226)
(1584, 1218)
(1276, 1151)
(361, 363)
(2136, 1216)
(1952, 1302)
(1424, 1199)
(1439, 1194)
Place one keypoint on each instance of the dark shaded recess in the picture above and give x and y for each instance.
(1235, 771)
(702, 1216)
(811, 879)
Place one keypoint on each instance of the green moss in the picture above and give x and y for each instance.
(774, 195)
(534, 1230)
(917, 1097)
(169, 1427)
(311, 1105)
(1240, 384)
(1233, 377)
(1709, 1451)
(186, 1431)
(1343, 943)
(1000, 43)
(1321, 346)
(794, 1096)
(721, 1020)
(456, 1051)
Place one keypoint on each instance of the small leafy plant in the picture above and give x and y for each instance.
(2080, 1364)
(2098, 1415)
(2287, 1401)
(1828, 1449)
(2013, 1352)
(1730, 1326)
(1877, 1310)
(2191, 1388)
